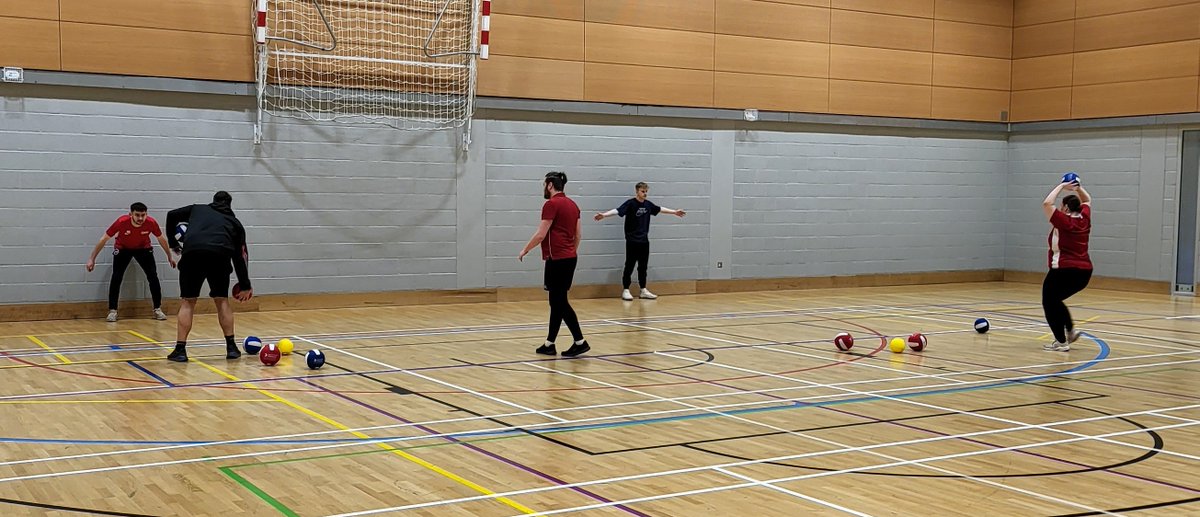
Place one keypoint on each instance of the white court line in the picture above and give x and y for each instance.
(875, 394)
(631, 403)
(689, 470)
(437, 381)
(834, 443)
(790, 492)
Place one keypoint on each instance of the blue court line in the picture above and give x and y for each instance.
(115, 347)
(151, 374)
(1100, 357)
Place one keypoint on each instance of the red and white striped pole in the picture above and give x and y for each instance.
(260, 23)
(485, 28)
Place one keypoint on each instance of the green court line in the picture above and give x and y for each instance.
(258, 492)
(228, 470)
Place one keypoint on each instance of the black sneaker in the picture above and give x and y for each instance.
(232, 352)
(179, 355)
(577, 349)
(547, 349)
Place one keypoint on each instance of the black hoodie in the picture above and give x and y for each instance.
(212, 227)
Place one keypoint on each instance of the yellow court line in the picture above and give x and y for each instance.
(1048, 334)
(136, 401)
(445, 473)
(90, 361)
(61, 358)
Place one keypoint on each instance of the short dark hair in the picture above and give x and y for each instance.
(641, 185)
(222, 197)
(558, 179)
(1072, 202)
(137, 207)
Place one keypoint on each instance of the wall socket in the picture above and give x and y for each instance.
(720, 265)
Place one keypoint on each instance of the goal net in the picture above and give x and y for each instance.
(409, 64)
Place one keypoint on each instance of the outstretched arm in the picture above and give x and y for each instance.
(601, 215)
(679, 213)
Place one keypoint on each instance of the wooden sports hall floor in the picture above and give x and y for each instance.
(724, 404)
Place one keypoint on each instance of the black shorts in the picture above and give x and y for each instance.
(198, 266)
(559, 274)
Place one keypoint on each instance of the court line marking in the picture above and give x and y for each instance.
(835, 443)
(437, 381)
(770, 405)
(439, 470)
(61, 358)
(791, 493)
(133, 401)
(688, 470)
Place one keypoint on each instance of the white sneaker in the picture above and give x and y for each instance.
(1056, 347)
(648, 295)
(112, 317)
(159, 314)
(626, 296)
(1073, 336)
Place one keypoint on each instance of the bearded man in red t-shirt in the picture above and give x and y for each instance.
(132, 233)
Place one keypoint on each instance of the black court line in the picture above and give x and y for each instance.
(73, 509)
(1154, 450)
(679, 348)
(401, 390)
(1118, 511)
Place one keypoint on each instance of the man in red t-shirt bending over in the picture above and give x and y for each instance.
(559, 236)
(132, 233)
(1070, 265)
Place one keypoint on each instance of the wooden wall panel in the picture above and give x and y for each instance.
(606, 43)
(508, 76)
(217, 16)
(29, 43)
(1044, 40)
(972, 72)
(1179, 59)
(771, 92)
(1138, 28)
(881, 31)
(772, 20)
(972, 39)
(988, 12)
(879, 99)
(1047, 104)
(1090, 8)
(1042, 72)
(916, 8)
(558, 9)
(156, 52)
(969, 104)
(1156, 96)
(40, 9)
(1031, 12)
(771, 56)
(880, 65)
(689, 15)
(529, 36)
(647, 85)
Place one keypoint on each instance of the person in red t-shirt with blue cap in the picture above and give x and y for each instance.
(132, 233)
(1070, 266)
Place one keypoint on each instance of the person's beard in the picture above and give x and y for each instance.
(546, 191)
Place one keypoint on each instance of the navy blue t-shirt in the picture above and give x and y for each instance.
(637, 218)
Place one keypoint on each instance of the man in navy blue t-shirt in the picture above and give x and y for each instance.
(637, 212)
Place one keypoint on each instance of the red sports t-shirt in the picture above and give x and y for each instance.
(130, 237)
(560, 240)
(1069, 239)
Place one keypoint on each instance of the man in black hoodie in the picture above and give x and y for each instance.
(214, 246)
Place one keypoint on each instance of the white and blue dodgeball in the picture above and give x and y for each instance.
(982, 325)
(181, 232)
